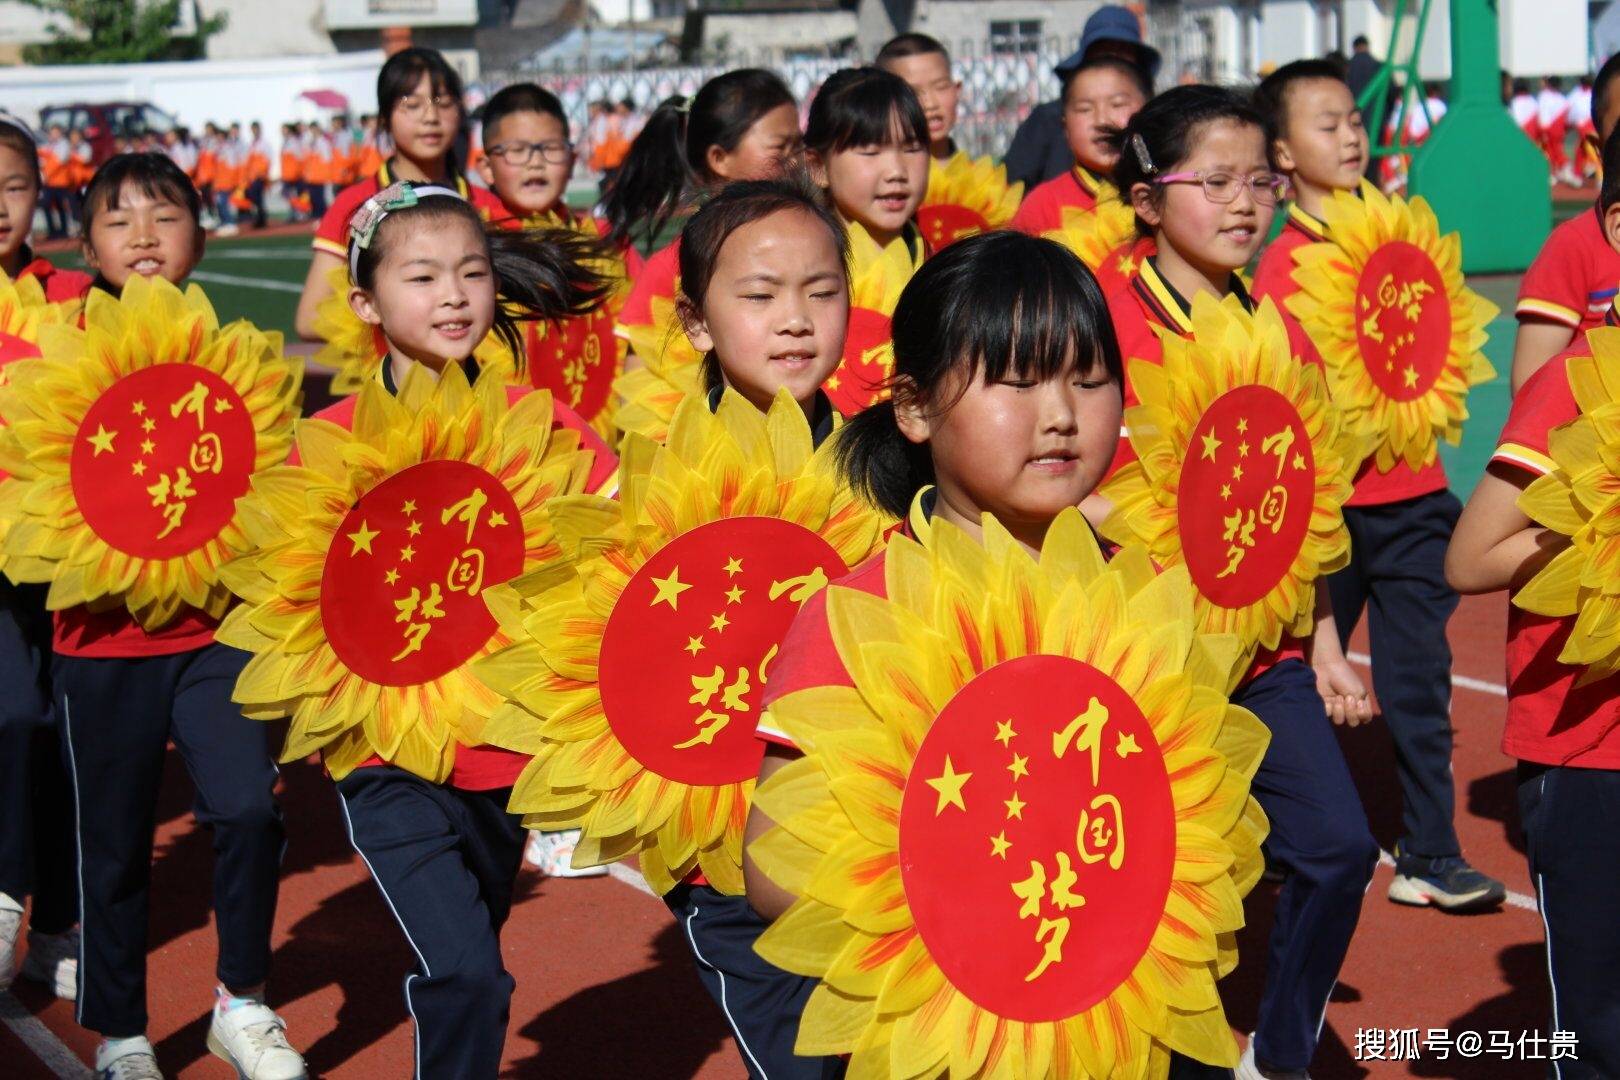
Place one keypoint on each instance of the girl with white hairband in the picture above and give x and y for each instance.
(429, 275)
(36, 802)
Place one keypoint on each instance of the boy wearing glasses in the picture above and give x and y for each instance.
(1400, 521)
(528, 158)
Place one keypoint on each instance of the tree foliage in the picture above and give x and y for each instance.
(117, 32)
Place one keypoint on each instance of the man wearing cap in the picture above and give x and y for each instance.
(1039, 149)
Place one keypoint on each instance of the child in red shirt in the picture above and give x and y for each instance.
(419, 102)
(446, 856)
(743, 125)
(1566, 737)
(1193, 164)
(1570, 285)
(1400, 521)
(123, 693)
(36, 802)
(1099, 96)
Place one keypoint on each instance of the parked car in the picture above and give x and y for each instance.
(104, 124)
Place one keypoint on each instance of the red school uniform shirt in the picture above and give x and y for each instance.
(1042, 209)
(1550, 720)
(1145, 301)
(487, 768)
(655, 278)
(1274, 278)
(332, 235)
(60, 285)
(1574, 278)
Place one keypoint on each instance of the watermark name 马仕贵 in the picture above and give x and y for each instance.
(1442, 1044)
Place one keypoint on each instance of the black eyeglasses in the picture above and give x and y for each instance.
(556, 152)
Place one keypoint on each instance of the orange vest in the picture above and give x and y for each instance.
(371, 158)
(258, 163)
(82, 166)
(292, 165)
(207, 165)
(55, 170)
(318, 162)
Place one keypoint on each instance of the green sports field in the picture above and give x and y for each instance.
(260, 278)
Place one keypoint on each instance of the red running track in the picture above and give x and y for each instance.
(605, 986)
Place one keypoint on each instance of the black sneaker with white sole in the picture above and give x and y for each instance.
(1448, 883)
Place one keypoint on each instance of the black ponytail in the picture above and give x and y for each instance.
(668, 162)
(993, 306)
(542, 275)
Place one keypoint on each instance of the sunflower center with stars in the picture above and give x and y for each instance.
(577, 361)
(1040, 803)
(402, 589)
(861, 379)
(943, 223)
(1247, 491)
(687, 648)
(161, 458)
(1403, 320)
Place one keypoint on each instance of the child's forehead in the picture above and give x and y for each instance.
(1318, 93)
(524, 121)
(134, 195)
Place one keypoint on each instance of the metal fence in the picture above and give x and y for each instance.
(1002, 80)
(1000, 85)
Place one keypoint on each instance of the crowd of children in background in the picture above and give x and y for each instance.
(723, 208)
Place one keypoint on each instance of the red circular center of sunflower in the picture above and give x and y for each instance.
(1403, 320)
(577, 362)
(402, 589)
(686, 650)
(867, 364)
(943, 223)
(1246, 493)
(1037, 838)
(160, 459)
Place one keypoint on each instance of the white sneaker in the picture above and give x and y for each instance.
(53, 959)
(227, 230)
(1249, 1069)
(10, 927)
(133, 1060)
(552, 853)
(254, 1041)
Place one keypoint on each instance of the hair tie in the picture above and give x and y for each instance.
(14, 122)
(1143, 158)
(400, 195)
(685, 107)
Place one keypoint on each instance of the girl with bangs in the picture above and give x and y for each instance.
(866, 143)
(419, 109)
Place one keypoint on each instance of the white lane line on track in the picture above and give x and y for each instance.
(39, 1039)
(1462, 681)
(621, 872)
(287, 254)
(269, 284)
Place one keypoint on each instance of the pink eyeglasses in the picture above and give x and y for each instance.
(1223, 187)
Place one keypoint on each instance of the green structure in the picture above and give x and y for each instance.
(1481, 175)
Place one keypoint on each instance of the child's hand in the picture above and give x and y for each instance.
(1344, 695)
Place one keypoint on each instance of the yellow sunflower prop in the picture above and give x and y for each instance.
(1021, 839)
(1242, 471)
(579, 360)
(23, 311)
(877, 276)
(1581, 500)
(354, 348)
(1400, 333)
(128, 443)
(671, 370)
(966, 196)
(365, 591)
(636, 682)
(1096, 234)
